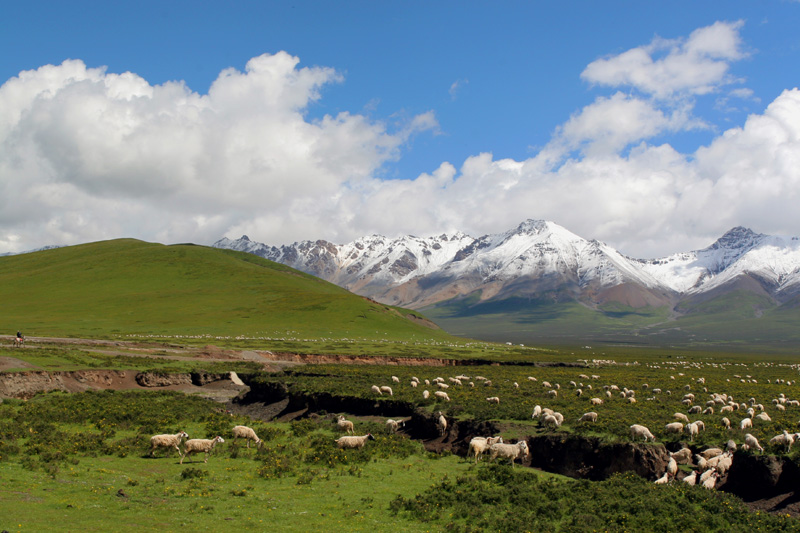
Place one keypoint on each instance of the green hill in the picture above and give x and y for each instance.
(129, 287)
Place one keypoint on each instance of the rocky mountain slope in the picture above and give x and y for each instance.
(540, 259)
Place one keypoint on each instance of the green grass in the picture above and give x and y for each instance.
(128, 287)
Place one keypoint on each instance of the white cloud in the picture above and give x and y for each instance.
(666, 68)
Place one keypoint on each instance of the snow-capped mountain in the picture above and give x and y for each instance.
(535, 259)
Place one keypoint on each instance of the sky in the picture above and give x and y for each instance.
(652, 126)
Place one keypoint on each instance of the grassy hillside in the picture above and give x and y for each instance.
(125, 287)
(736, 320)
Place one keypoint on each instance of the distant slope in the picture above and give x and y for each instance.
(127, 286)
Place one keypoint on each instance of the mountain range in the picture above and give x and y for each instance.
(453, 275)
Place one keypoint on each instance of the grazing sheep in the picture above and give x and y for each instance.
(596, 401)
(764, 417)
(200, 445)
(345, 425)
(537, 411)
(638, 431)
(387, 389)
(509, 451)
(550, 420)
(395, 379)
(376, 390)
(167, 441)
(493, 399)
(785, 439)
(442, 395)
(441, 423)
(681, 417)
(352, 441)
(247, 434)
(726, 423)
(591, 416)
(682, 456)
(553, 393)
(730, 446)
(394, 425)
(425, 395)
(752, 442)
(674, 427)
(745, 423)
(478, 445)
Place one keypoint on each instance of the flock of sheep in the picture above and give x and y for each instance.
(199, 445)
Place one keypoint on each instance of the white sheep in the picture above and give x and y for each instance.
(674, 427)
(752, 442)
(478, 445)
(387, 389)
(692, 430)
(493, 399)
(377, 390)
(672, 467)
(682, 456)
(638, 431)
(663, 479)
(691, 479)
(726, 423)
(442, 395)
(345, 425)
(537, 411)
(441, 423)
(745, 423)
(509, 451)
(426, 394)
(711, 482)
(167, 441)
(353, 441)
(785, 439)
(200, 445)
(596, 401)
(394, 425)
(591, 416)
(550, 421)
(395, 379)
(681, 417)
(247, 434)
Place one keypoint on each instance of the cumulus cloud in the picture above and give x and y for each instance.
(88, 155)
(665, 68)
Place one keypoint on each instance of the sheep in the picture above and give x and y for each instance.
(441, 423)
(785, 439)
(493, 399)
(553, 393)
(559, 418)
(591, 416)
(478, 445)
(200, 445)
(425, 394)
(726, 423)
(724, 463)
(691, 479)
(745, 423)
(711, 482)
(550, 420)
(711, 452)
(596, 401)
(247, 434)
(674, 427)
(352, 441)
(672, 467)
(641, 431)
(663, 479)
(701, 426)
(345, 425)
(376, 390)
(387, 389)
(681, 417)
(682, 456)
(442, 395)
(394, 425)
(537, 411)
(395, 379)
(752, 442)
(764, 417)
(509, 451)
(167, 441)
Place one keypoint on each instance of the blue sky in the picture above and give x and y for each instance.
(393, 118)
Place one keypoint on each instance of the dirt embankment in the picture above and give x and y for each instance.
(27, 384)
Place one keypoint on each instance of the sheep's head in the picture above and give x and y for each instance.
(183, 435)
(370, 437)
